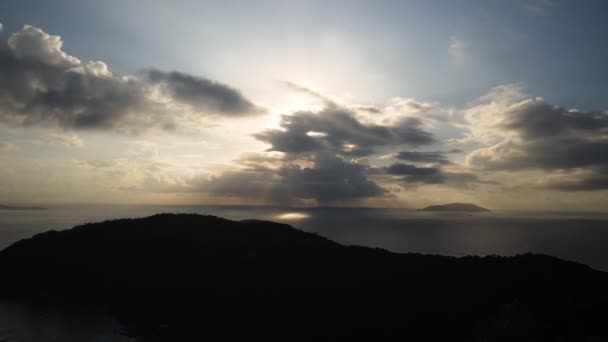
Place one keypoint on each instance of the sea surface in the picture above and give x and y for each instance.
(581, 237)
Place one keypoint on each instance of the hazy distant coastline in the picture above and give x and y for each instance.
(19, 207)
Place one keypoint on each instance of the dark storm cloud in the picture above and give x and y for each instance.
(323, 140)
(203, 94)
(314, 148)
(330, 180)
(549, 138)
(42, 85)
(544, 154)
(412, 174)
(415, 174)
(35, 90)
(422, 157)
(597, 180)
(337, 129)
(534, 119)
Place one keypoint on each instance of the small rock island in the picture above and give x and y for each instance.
(456, 208)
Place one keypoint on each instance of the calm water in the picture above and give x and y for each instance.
(581, 237)
(574, 236)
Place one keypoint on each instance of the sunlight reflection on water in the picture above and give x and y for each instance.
(293, 216)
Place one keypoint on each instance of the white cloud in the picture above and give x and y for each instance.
(398, 109)
(32, 43)
(519, 133)
(67, 139)
(539, 6)
(486, 115)
(457, 47)
(6, 146)
(412, 106)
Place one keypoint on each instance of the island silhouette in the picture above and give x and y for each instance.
(456, 207)
(177, 277)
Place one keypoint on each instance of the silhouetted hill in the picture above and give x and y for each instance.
(456, 207)
(191, 277)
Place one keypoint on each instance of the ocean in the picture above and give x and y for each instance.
(579, 237)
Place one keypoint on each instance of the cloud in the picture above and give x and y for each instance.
(538, 6)
(457, 47)
(305, 90)
(398, 110)
(1, 27)
(531, 134)
(422, 157)
(308, 159)
(260, 161)
(482, 118)
(395, 111)
(41, 85)
(413, 106)
(415, 174)
(202, 94)
(6, 146)
(319, 158)
(338, 130)
(34, 45)
(579, 181)
(408, 175)
(368, 109)
(67, 139)
(429, 168)
(329, 180)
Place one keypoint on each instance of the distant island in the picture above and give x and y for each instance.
(19, 207)
(185, 277)
(457, 208)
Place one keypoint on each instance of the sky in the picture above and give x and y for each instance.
(305, 103)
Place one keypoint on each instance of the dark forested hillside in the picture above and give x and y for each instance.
(190, 276)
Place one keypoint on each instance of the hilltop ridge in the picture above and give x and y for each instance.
(184, 276)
